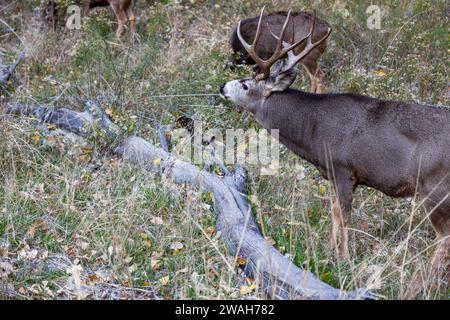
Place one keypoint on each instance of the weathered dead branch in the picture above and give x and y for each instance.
(7, 71)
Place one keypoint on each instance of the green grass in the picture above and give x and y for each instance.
(120, 222)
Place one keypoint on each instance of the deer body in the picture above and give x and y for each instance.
(375, 142)
(298, 27)
(401, 149)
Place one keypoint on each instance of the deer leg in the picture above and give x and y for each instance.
(438, 268)
(335, 225)
(439, 264)
(85, 8)
(311, 70)
(320, 75)
(131, 18)
(121, 17)
(341, 213)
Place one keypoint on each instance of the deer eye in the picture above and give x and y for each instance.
(244, 86)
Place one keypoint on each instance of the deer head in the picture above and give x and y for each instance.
(249, 93)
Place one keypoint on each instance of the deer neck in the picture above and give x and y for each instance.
(293, 113)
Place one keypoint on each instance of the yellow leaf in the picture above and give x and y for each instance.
(157, 161)
(247, 289)
(36, 138)
(210, 231)
(240, 261)
(380, 73)
(322, 189)
(109, 112)
(147, 243)
(164, 280)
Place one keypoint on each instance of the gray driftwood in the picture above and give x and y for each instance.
(275, 274)
(7, 71)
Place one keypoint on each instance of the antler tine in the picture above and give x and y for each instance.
(281, 37)
(258, 28)
(308, 36)
(279, 52)
(251, 48)
(294, 59)
(264, 65)
(282, 47)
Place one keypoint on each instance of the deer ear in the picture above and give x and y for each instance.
(279, 82)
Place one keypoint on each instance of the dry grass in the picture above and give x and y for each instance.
(76, 224)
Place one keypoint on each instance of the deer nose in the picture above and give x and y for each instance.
(222, 86)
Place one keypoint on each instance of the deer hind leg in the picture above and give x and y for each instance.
(438, 266)
(316, 76)
(311, 71)
(340, 216)
(131, 18)
(320, 75)
(120, 15)
(335, 225)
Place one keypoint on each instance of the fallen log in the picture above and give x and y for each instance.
(274, 273)
(5, 71)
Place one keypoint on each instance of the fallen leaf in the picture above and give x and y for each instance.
(40, 224)
(380, 73)
(36, 138)
(240, 261)
(157, 161)
(176, 246)
(157, 221)
(154, 263)
(322, 189)
(164, 280)
(247, 289)
(210, 231)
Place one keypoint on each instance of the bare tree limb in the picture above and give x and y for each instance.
(5, 71)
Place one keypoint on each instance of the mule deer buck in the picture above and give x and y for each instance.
(401, 149)
(297, 29)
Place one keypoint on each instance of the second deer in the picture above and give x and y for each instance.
(298, 27)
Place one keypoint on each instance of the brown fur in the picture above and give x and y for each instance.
(300, 23)
(122, 10)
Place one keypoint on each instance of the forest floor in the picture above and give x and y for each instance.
(119, 232)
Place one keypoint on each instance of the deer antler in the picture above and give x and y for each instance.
(282, 47)
(294, 59)
(264, 65)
